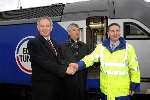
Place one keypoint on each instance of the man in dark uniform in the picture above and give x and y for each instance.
(73, 51)
(47, 73)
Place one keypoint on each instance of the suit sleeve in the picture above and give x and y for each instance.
(37, 56)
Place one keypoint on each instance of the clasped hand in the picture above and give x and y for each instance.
(72, 69)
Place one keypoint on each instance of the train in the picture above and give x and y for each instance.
(17, 27)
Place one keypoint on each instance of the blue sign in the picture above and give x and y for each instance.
(15, 66)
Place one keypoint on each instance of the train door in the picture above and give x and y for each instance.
(95, 33)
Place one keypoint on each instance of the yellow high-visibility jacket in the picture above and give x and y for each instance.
(119, 69)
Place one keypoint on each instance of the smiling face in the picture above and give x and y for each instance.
(114, 33)
(44, 27)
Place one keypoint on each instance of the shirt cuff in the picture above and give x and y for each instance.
(135, 87)
(81, 65)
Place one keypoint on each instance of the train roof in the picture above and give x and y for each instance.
(130, 9)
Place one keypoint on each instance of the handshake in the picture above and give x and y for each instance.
(72, 69)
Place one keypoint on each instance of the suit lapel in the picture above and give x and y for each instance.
(46, 45)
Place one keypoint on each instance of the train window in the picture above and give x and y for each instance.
(135, 32)
(95, 30)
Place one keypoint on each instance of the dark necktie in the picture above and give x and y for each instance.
(52, 47)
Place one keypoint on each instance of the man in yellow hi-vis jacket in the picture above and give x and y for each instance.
(119, 69)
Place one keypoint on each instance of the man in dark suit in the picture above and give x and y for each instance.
(47, 73)
(72, 51)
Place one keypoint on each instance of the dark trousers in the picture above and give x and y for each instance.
(104, 97)
(75, 87)
(45, 90)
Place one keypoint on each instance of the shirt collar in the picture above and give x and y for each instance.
(122, 44)
(115, 44)
(47, 38)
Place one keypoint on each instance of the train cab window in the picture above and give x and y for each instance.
(95, 30)
(135, 32)
(95, 33)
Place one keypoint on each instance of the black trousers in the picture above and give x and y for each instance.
(46, 90)
(75, 86)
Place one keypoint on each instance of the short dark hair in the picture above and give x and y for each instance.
(113, 24)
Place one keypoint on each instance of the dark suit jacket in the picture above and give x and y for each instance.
(44, 63)
(68, 54)
(46, 71)
(74, 85)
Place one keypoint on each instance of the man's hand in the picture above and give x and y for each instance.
(72, 69)
(131, 93)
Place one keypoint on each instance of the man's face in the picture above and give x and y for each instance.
(74, 33)
(114, 33)
(44, 27)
